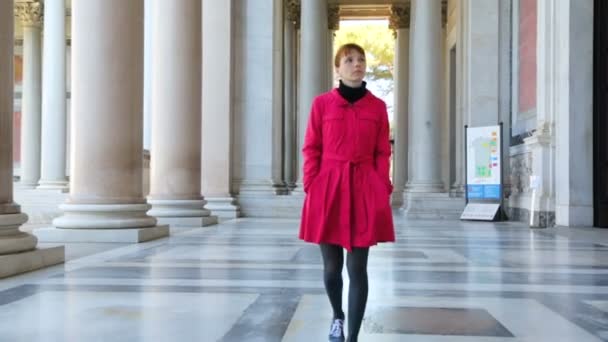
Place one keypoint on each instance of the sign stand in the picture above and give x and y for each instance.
(484, 198)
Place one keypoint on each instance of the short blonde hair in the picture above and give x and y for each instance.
(345, 50)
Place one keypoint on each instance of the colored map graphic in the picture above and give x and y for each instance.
(483, 162)
(486, 157)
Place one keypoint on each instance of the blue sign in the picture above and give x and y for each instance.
(483, 191)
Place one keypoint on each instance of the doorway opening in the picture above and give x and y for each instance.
(600, 114)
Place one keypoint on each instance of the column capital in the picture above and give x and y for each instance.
(333, 17)
(30, 13)
(400, 17)
(292, 12)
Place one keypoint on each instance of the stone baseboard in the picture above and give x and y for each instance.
(187, 221)
(422, 205)
(223, 207)
(289, 206)
(541, 219)
(123, 235)
(12, 264)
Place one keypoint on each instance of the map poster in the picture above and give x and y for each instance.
(483, 163)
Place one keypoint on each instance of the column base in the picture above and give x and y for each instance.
(457, 191)
(131, 235)
(254, 187)
(272, 205)
(425, 187)
(223, 207)
(26, 184)
(181, 213)
(11, 239)
(178, 208)
(61, 185)
(104, 216)
(397, 199)
(432, 206)
(12, 264)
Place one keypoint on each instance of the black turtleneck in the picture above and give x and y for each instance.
(350, 94)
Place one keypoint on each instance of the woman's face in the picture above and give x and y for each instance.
(352, 68)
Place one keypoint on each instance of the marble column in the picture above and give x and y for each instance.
(258, 102)
(30, 14)
(562, 146)
(482, 62)
(106, 202)
(399, 22)
(148, 63)
(424, 102)
(313, 61)
(18, 251)
(333, 24)
(53, 162)
(277, 162)
(217, 108)
(292, 20)
(175, 164)
(574, 113)
(425, 193)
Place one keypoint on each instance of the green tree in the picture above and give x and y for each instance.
(379, 44)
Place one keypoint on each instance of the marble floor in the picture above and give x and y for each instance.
(253, 280)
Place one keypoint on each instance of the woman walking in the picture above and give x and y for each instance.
(346, 180)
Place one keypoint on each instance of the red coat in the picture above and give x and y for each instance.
(346, 173)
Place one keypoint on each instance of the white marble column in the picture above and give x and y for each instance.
(333, 24)
(18, 251)
(292, 21)
(424, 101)
(217, 108)
(175, 163)
(482, 62)
(277, 162)
(400, 24)
(313, 65)
(258, 101)
(30, 14)
(106, 202)
(53, 162)
(562, 146)
(574, 117)
(425, 195)
(148, 62)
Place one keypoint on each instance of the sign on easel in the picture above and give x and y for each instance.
(480, 211)
(484, 186)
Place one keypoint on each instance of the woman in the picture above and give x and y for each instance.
(346, 180)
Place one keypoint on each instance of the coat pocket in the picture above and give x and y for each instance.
(334, 128)
(368, 126)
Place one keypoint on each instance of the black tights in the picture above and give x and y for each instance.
(356, 264)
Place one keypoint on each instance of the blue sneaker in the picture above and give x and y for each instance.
(336, 331)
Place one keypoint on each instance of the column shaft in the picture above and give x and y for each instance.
(313, 80)
(217, 122)
(53, 163)
(425, 105)
(31, 17)
(289, 65)
(7, 206)
(107, 101)
(17, 249)
(175, 188)
(400, 159)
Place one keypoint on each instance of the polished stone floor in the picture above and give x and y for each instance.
(253, 280)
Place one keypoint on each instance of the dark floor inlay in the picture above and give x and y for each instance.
(434, 321)
(266, 319)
